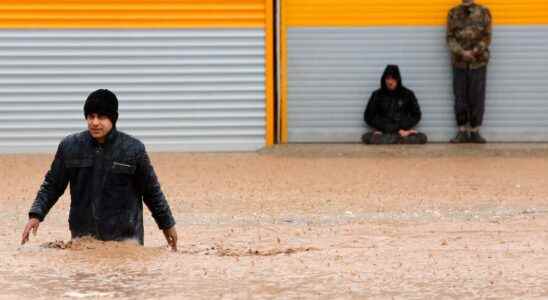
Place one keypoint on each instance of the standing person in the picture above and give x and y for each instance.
(392, 112)
(110, 177)
(468, 38)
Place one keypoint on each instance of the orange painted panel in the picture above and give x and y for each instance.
(131, 13)
(359, 13)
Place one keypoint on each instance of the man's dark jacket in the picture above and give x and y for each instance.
(389, 111)
(108, 184)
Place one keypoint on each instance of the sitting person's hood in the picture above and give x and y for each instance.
(394, 72)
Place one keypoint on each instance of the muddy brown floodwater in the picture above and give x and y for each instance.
(303, 222)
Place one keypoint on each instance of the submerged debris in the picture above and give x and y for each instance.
(222, 251)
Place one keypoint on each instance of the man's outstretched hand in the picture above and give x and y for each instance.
(171, 237)
(33, 225)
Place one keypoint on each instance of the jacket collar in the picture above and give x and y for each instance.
(111, 137)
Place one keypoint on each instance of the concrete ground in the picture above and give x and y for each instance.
(304, 221)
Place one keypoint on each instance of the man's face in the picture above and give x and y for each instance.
(99, 126)
(467, 2)
(391, 83)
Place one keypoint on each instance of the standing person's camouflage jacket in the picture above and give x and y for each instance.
(469, 28)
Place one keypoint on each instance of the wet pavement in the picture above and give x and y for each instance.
(303, 222)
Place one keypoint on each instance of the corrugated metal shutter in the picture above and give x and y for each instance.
(190, 75)
(331, 73)
(191, 89)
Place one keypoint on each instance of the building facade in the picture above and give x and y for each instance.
(189, 74)
(334, 53)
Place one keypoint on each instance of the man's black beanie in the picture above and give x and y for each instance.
(102, 102)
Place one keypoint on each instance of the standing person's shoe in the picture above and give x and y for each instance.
(476, 138)
(460, 138)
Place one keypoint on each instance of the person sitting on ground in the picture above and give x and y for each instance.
(392, 112)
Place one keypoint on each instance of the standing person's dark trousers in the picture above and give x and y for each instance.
(469, 89)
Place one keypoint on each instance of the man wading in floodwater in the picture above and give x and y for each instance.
(110, 177)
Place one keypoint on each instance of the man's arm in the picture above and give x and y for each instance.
(485, 42)
(412, 115)
(375, 120)
(155, 200)
(452, 42)
(52, 188)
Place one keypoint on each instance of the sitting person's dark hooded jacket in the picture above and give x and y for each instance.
(392, 112)
(389, 111)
